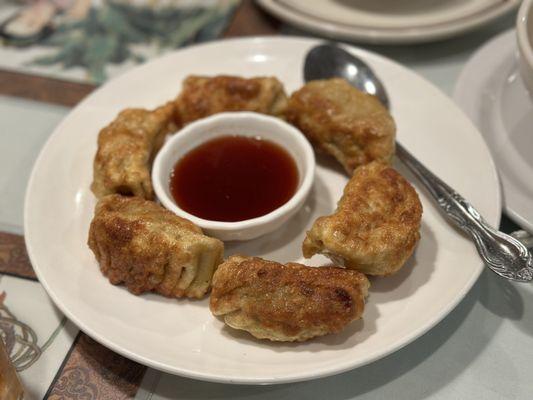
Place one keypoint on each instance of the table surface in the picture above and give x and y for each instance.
(482, 350)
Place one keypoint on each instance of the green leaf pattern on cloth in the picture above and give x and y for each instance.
(109, 33)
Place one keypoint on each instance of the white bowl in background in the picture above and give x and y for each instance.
(247, 124)
(524, 34)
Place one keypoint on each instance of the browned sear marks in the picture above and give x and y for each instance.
(126, 148)
(290, 302)
(147, 248)
(352, 126)
(376, 226)
(202, 96)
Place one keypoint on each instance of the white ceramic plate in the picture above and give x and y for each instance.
(182, 337)
(388, 21)
(491, 92)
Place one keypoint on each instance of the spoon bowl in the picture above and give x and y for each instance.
(329, 61)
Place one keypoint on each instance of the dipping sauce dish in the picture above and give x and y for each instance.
(246, 129)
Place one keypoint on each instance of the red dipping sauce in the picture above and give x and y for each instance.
(234, 178)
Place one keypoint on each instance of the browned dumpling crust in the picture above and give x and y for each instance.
(126, 148)
(147, 248)
(290, 302)
(352, 126)
(376, 226)
(202, 96)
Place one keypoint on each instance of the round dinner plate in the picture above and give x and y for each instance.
(491, 92)
(388, 21)
(181, 336)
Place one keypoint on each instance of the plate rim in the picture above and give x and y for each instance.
(377, 36)
(462, 96)
(297, 377)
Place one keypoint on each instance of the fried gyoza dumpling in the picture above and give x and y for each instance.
(289, 302)
(202, 96)
(139, 243)
(376, 225)
(126, 148)
(344, 122)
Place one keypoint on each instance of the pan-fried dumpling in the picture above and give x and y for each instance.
(352, 126)
(148, 248)
(126, 148)
(290, 302)
(376, 226)
(202, 96)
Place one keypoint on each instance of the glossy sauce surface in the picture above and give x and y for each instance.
(234, 178)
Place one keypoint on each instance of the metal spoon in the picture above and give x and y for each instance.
(503, 254)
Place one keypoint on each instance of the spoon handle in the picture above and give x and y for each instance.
(502, 253)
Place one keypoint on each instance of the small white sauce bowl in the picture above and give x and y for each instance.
(247, 124)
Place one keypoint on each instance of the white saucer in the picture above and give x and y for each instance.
(388, 21)
(490, 90)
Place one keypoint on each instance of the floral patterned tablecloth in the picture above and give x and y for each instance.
(93, 40)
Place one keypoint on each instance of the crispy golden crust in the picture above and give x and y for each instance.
(126, 148)
(139, 243)
(344, 122)
(289, 302)
(203, 96)
(376, 225)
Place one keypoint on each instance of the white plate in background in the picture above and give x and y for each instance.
(491, 92)
(388, 21)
